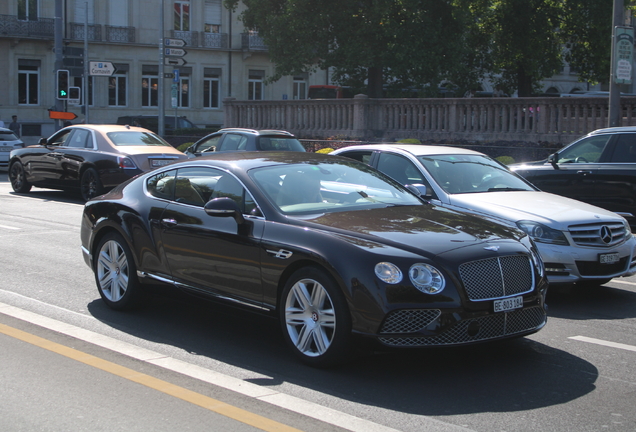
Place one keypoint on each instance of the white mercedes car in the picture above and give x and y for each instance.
(579, 243)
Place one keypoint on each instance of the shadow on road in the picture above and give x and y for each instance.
(584, 303)
(511, 376)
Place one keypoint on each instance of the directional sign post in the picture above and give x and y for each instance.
(62, 115)
(101, 68)
(175, 52)
(174, 61)
(179, 43)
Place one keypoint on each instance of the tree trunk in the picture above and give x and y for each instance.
(524, 83)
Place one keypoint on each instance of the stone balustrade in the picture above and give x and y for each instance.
(549, 119)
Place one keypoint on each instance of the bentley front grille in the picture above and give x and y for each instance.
(497, 277)
(477, 329)
(409, 320)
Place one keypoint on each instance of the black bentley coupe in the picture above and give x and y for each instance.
(330, 245)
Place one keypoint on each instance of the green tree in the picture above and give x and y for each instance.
(401, 42)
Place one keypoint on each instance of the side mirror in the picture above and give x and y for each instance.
(42, 141)
(224, 207)
(553, 158)
(422, 191)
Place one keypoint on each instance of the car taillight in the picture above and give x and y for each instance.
(125, 163)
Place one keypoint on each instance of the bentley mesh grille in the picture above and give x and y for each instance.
(409, 320)
(600, 234)
(490, 327)
(497, 277)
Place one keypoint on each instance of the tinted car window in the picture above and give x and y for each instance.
(134, 138)
(233, 142)
(60, 139)
(625, 151)
(399, 168)
(208, 143)
(162, 185)
(80, 139)
(8, 136)
(587, 150)
(280, 144)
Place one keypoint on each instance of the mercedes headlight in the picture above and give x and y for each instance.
(543, 234)
(426, 278)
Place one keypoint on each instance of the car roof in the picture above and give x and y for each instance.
(614, 130)
(414, 149)
(257, 132)
(104, 128)
(251, 159)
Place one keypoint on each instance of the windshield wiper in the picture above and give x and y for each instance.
(507, 189)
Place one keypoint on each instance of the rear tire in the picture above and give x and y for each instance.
(315, 318)
(116, 273)
(90, 185)
(17, 176)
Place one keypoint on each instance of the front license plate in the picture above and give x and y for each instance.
(608, 258)
(508, 304)
(6, 149)
(160, 162)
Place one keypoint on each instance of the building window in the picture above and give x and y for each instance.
(300, 87)
(79, 82)
(211, 87)
(149, 91)
(28, 10)
(255, 85)
(182, 15)
(28, 82)
(117, 90)
(212, 16)
(183, 92)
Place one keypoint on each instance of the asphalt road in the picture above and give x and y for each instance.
(577, 374)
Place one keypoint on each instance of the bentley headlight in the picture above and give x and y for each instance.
(538, 262)
(388, 272)
(427, 278)
(543, 234)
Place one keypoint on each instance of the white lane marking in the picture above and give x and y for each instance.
(623, 282)
(271, 396)
(604, 343)
(9, 227)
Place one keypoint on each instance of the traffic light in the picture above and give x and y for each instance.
(62, 84)
(74, 93)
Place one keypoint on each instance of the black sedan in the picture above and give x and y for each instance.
(90, 159)
(330, 245)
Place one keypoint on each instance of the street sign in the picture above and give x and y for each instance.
(175, 52)
(174, 61)
(179, 43)
(168, 75)
(62, 115)
(176, 76)
(101, 68)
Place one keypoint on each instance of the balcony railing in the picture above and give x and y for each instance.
(252, 42)
(11, 26)
(120, 34)
(201, 39)
(77, 31)
(215, 40)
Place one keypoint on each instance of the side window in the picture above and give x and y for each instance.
(233, 142)
(587, 150)
(362, 156)
(399, 168)
(195, 186)
(60, 139)
(162, 185)
(209, 143)
(81, 138)
(230, 187)
(625, 151)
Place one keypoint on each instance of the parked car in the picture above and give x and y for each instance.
(171, 123)
(578, 242)
(8, 141)
(90, 159)
(239, 139)
(329, 245)
(599, 169)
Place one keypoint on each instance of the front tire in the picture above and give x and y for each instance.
(90, 185)
(17, 176)
(116, 273)
(315, 318)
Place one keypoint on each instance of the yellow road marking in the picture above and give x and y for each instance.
(208, 403)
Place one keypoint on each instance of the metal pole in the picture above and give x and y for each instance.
(615, 95)
(160, 102)
(59, 56)
(86, 67)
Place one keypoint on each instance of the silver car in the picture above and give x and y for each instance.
(579, 243)
(8, 142)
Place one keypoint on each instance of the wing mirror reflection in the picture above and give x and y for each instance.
(224, 207)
